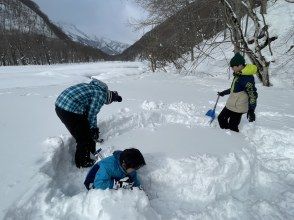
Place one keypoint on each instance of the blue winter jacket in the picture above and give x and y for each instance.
(85, 99)
(110, 170)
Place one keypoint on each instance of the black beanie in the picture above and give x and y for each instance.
(237, 60)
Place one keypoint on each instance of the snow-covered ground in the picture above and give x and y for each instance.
(194, 170)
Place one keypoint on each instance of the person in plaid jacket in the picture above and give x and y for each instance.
(77, 107)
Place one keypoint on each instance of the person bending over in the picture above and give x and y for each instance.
(77, 107)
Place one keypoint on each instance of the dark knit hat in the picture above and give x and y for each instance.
(237, 60)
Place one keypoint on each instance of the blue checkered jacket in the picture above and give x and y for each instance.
(84, 98)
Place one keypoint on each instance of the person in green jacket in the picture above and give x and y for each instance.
(242, 95)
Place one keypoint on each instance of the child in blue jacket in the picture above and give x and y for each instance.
(112, 169)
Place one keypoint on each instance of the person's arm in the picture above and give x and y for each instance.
(102, 179)
(97, 102)
(225, 92)
(134, 178)
(252, 95)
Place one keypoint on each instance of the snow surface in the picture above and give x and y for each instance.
(193, 171)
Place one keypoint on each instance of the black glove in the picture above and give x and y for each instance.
(115, 97)
(95, 134)
(251, 115)
(221, 93)
(225, 92)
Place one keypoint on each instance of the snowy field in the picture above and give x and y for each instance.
(194, 170)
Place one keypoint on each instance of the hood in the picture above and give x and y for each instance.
(249, 70)
(117, 154)
(104, 87)
(99, 83)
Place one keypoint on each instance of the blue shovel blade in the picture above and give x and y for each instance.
(211, 113)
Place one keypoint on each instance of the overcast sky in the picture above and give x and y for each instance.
(103, 18)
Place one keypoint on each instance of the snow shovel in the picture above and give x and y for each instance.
(98, 155)
(211, 112)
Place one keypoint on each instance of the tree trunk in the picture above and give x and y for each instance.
(256, 57)
(263, 6)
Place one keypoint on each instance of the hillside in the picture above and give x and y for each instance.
(29, 37)
(199, 21)
(177, 35)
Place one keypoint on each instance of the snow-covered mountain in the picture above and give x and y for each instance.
(106, 45)
(24, 18)
(29, 37)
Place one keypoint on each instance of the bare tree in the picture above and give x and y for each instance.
(159, 11)
(181, 25)
(261, 37)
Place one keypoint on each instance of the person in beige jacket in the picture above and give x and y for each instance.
(242, 95)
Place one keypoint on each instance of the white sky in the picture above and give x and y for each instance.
(103, 18)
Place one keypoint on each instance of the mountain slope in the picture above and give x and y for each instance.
(180, 33)
(29, 37)
(106, 45)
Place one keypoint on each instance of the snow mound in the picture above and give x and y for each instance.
(59, 192)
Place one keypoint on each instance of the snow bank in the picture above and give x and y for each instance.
(252, 184)
(173, 187)
(60, 194)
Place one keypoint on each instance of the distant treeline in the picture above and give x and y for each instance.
(23, 49)
(28, 37)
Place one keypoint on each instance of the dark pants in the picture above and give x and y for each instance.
(228, 119)
(79, 128)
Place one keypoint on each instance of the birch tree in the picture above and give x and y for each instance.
(260, 40)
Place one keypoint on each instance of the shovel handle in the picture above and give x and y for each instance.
(216, 103)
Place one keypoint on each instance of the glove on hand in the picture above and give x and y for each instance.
(221, 93)
(251, 115)
(124, 183)
(95, 134)
(116, 97)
